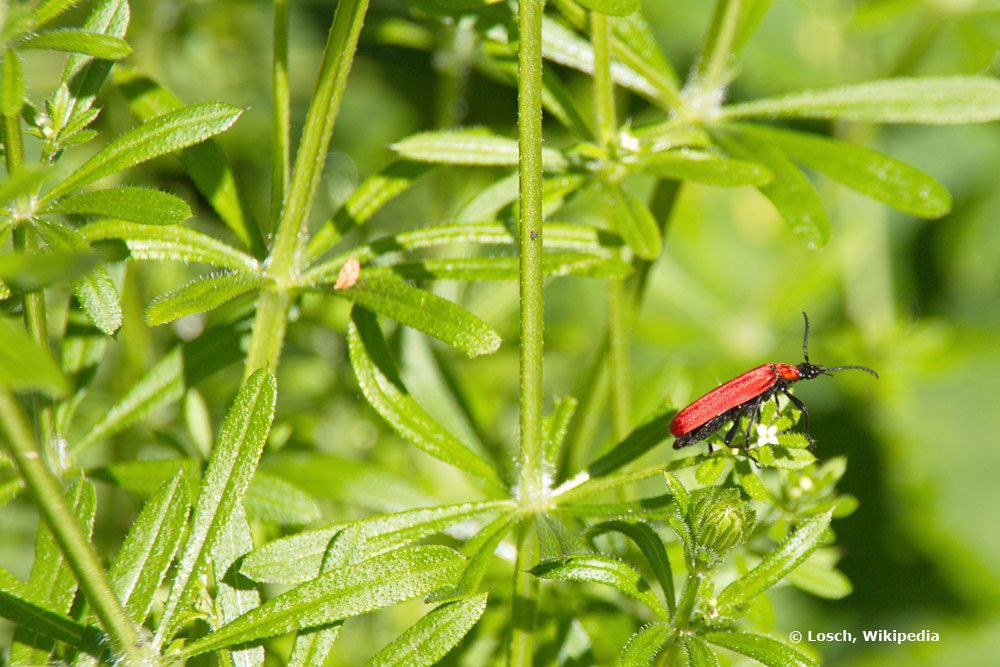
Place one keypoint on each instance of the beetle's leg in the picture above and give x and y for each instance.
(731, 434)
(753, 417)
(805, 418)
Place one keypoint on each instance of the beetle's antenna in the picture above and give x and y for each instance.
(805, 338)
(857, 368)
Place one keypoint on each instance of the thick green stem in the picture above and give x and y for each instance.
(80, 555)
(269, 324)
(525, 597)
(281, 123)
(532, 488)
(715, 59)
(684, 610)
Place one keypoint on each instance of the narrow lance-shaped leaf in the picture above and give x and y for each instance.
(930, 100)
(480, 551)
(312, 645)
(433, 636)
(638, 442)
(703, 167)
(817, 575)
(600, 569)
(366, 200)
(35, 270)
(201, 295)
(776, 564)
(612, 7)
(160, 242)
(472, 269)
(555, 428)
(23, 181)
(50, 9)
(642, 648)
(341, 593)
(382, 291)
(469, 147)
(275, 500)
(236, 595)
(879, 176)
(297, 558)
(790, 191)
(206, 163)
(635, 223)
(698, 653)
(384, 390)
(24, 365)
(763, 649)
(164, 134)
(11, 84)
(149, 547)
(651, 546)
(233, 462)
(96, 290)
(132, 204)
(105, 47)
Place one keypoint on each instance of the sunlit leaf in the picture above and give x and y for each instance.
(642, 648)
(817, 575)
(698, 653)
(776, 564)
(236, 595)
(634, 221)
(201, 295)
(506, 267)
(433, 636)
(650, 545)
(142, 205)
(17, 606)
(11, 83)
(469, 147)
(612, 7)
(25, 365)
(164, 134)
(763, 649)
(600, 569)
(340, 593)
(35, 270)
(105, 47)
(930, 100)
(480, 552)
(703, 167)
(160, 242)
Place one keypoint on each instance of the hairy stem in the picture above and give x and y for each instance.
(69, 535)
(718, 51)
(525, 597)
(281, 121)
(688, 598)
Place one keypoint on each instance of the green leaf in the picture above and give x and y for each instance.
(818, 576)
(776, 564)
(164, 134)
(149, 547)
(433, 636)
(96, 290)
(638, 442)
(650, 545)
(642, 648)
(132, 204)
(612, 7)
(83, 76)
(703, 167)
(480, 551)
(681, 496)
(879, 176)
(161, 385)
(25, 365)
(273, 499)
(51, 582)
(105, 47)
(928, 100)
(634, 43)
(474, 269)
(227, 477)
(201, 295)
(605, 570)
(11, 84)
(17, 606)
(635, 223)
(236, 595)
(698, 653)
(340, 593)
(297, 558)
(555, 428)
(50, 9)
(790, 191)
(469, 147)
(206, 163)
(24, 181)
(384, 390)
(486, 204)
(366, 200)
(32, 271)
(159, 242)
(382, 291)
(763, 649)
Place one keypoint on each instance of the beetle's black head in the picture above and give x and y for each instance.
(807, 371)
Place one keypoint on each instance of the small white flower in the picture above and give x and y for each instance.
(766, 435)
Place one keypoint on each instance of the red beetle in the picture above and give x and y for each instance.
(743, 396)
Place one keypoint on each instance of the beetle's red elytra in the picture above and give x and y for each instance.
(744, 395)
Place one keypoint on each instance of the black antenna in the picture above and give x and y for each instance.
(845, 368)
(805, 338)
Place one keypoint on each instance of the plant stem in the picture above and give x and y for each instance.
(529, 104)
(281, 123)
(80, 555)
(283, 263)
(525, 597)
(719, 45)
(684, 610)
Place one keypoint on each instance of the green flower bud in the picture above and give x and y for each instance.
(721, 520)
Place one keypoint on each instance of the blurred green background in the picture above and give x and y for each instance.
(917, 300)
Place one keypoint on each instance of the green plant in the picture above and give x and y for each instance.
(572, 516)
